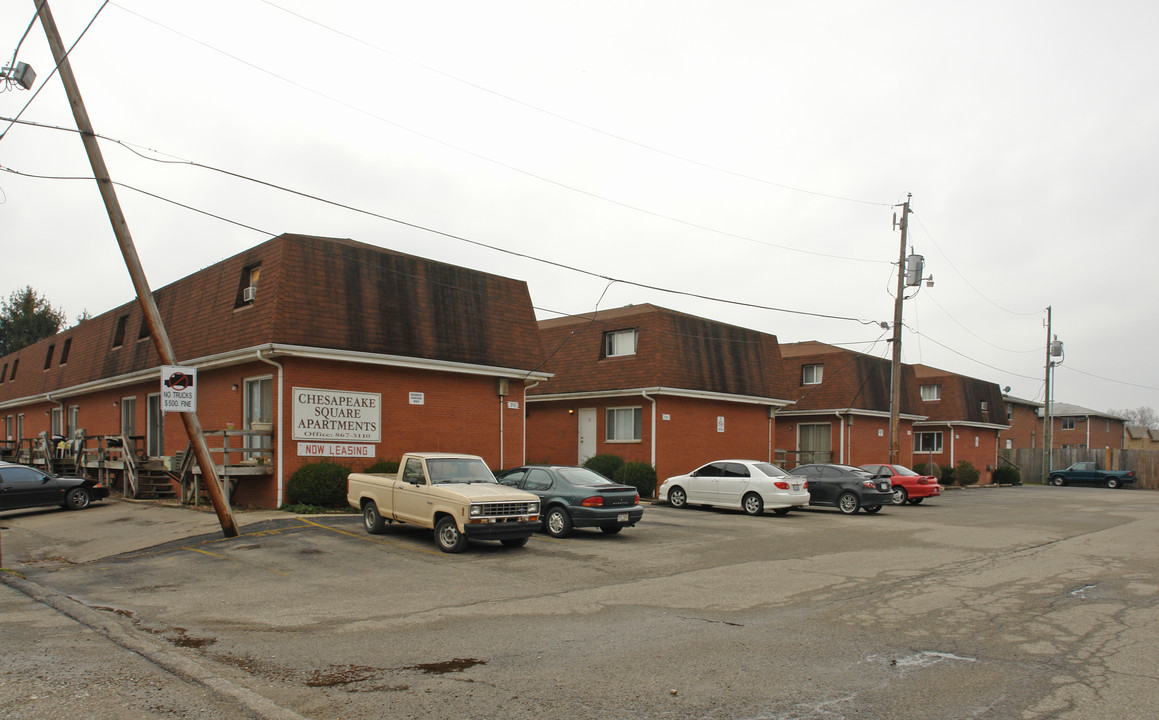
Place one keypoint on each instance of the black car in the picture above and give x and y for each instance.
(576, 497)
(25, 487)
(845, 487)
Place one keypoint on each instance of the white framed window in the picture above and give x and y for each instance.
(623, 424)
(258, 407)
(129, 416)
(1009, 444)
(928, 442)
(814, 443)
(931, 392)
(57, 422)
(1068, 423)
(811, 374)
(620, 342)
(1009, 411)
(73, 420)
(155, 428)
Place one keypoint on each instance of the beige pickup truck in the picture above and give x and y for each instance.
(454, 495)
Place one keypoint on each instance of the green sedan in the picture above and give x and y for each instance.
(576, 497)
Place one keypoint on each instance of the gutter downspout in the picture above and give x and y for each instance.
(652, 400)
(281, 425)
(532, 386)
(841, 435)
(1089, 433)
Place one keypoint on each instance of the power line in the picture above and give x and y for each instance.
(485, 158)
(566, 119)
(964, 355)
(966, 279)
(479, 243)
(44, 83)
(976, 335)
(1111, 380)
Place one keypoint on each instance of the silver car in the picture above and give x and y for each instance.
(751, 485)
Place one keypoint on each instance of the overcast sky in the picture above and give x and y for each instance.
(751, 151)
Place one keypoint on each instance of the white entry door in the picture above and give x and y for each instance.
(587, 434)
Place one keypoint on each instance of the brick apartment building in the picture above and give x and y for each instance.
(1074, 426)
(285, 335)
(842, 407)
(964, 416)
(654, 385)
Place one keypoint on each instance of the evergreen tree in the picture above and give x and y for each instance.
(26, 317)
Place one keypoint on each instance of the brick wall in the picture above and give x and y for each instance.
(686, 432)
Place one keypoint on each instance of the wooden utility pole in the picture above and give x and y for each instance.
(895, 366)
(1047, 422)
(132, 261)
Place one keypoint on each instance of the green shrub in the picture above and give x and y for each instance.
(383, 467)
(605, 465)
(322, 484)
(930, 469)
(947, 475)
(965, 473)
(1007, 475)
(639, 475)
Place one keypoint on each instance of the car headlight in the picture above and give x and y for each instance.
(533, 508)
(475, 511)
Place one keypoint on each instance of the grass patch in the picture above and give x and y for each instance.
(304, 509)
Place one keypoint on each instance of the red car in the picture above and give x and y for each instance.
(907, 484)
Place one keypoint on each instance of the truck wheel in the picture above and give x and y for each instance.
(1112, 483)
(372, 519)
(1057, 481)
(514, 542)
(448, 537)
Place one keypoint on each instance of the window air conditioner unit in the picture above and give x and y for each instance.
(249, 293)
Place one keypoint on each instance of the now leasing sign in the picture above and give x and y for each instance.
(338, 450)
(337, 416)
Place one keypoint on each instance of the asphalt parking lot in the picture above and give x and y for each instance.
(1025, 602)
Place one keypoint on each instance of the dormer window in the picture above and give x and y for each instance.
(620, 342)
(247, 290)
(119, 333)
(811, 374)
(931, 392)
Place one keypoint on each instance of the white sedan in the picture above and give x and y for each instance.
(751, 485)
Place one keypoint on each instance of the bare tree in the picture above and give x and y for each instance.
(1141, 416)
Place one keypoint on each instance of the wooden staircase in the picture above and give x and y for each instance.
(155, 482)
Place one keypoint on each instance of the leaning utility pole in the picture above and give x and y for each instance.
(895, 367)
(129, 251)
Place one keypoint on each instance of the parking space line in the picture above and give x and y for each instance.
(372, 539)
(226, 557)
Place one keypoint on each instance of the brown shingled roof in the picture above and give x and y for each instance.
(674, 350)
(317, 292)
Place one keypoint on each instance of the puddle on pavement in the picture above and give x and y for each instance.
(447, 666)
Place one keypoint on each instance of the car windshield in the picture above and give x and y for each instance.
(902, 470)
(770, 470)
(582, 476)
(850, 470)
(458, 470)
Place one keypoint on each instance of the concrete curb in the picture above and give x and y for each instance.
(121, 633)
